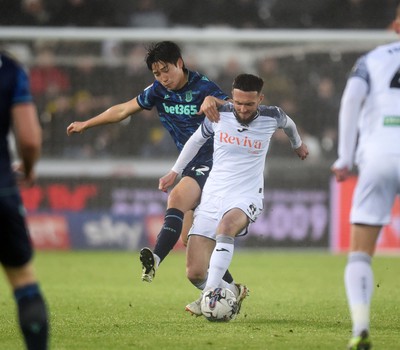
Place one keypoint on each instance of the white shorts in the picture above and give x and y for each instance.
(377, 186)
(212, 208)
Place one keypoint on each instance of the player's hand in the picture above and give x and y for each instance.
(341, 174)
(23, 179)
(341, 169)
(209, 108)
(75, 127)
(302, 151)
(167, 181)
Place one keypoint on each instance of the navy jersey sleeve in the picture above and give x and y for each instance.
(146, 98)
(21, 91)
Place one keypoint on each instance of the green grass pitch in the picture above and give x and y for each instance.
(297, 301)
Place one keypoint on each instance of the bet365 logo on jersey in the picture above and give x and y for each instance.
(180, 109)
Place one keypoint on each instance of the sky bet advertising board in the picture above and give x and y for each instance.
(122, 214)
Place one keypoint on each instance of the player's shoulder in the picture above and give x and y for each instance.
(274, 112)
(198, 78)
(384, 50)
(7, 60)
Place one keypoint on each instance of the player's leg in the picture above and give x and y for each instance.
(32, 311)
(15, 256)
(178, 218)
(359, 281)
(198, 252)
(187, 224)
(232, 223)
(184, 197)
(373, 199)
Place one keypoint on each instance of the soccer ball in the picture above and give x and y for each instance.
(219, 305)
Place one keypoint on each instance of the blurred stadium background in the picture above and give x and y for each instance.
(99, 190)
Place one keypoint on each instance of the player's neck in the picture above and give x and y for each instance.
(185, 79)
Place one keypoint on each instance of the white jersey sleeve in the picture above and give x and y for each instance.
(290, 130)
(353, 97)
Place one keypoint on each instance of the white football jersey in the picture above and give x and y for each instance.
(240, 151)
(379, 118)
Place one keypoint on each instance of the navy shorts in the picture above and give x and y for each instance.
(198, 172)
(15, 244)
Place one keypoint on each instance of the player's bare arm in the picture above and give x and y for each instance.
(209, 107)
(28, 135)
(112, 115)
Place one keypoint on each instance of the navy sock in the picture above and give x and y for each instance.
(228, 277)
(32, 316)
(170, 233)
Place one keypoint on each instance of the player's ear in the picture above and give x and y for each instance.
(261, 97)
(396, 26)
(180, 63)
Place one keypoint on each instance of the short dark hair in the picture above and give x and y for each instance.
(248, 82)
(165, 51)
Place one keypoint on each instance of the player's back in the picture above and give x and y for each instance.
(380, 119)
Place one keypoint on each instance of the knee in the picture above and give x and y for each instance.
(195, 275)
(175, 199)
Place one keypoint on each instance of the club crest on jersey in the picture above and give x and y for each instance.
(189, 96)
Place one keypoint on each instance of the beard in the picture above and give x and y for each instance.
(247, 121)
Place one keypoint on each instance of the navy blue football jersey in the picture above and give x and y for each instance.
(178, 109)
(14, 88)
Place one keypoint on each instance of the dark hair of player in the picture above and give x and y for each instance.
(248, 82)
(164, 51)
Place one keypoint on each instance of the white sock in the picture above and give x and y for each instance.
(156, 260)
(220, 260)
(359, 284)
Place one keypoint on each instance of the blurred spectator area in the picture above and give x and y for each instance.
(333, 14)
(77, 79)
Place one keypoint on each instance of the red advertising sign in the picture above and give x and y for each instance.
(59, 196)
(49, 231)
(341, 199)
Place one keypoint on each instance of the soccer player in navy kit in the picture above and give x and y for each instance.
(369, 135)
(178, 95)
(18, 113)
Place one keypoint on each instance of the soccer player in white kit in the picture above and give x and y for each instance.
(369, 113)
(232, 197)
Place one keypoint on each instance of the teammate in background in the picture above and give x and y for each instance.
(178, 95)
(18, 112)
(233, 194)
(370, 115)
